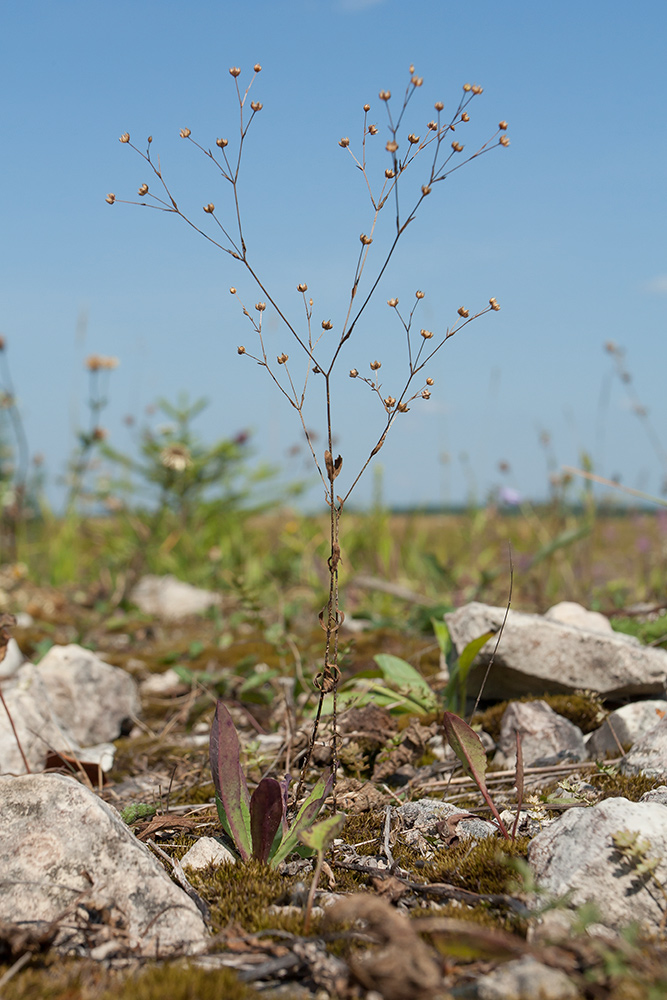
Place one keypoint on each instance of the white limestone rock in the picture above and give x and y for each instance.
(420, 820)
(629, 723)
(538, 655)
(543, 733)
(66, 856)
(649, 754)
(94, 699)
(576, 854)
(573, 614)
(171, 599)
(525, 979)
(37, 726)
(207, 851)
(14, 659)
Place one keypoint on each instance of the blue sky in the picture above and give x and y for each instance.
(566, 227)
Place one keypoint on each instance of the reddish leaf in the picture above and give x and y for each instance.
(229, 780)
(266, 813)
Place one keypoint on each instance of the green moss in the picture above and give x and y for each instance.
(629, 786)
(180, 981)
(56, 978)
(363, 831)
(242, 893)
(584, 709)
(483, 867)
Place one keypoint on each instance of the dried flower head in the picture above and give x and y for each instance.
(257, 68)
(282, 358)
(143, 190)
(353, 372)
(240, 350)
(425, 189)
(391, 146)
(402, 407)
(367, 108)
(467, 87)
(365, 240)
(385, 95)
(425, 394)
(327, 324)
(256, 105)
(457, 147)
(463, 312)
(125, 137)
(99, 434)
(494, 305)
(429, 381)
(392, 302)
(504, 141)
(110, 198)
(222, 143)
(375, 365)
(502, 126)
(413, 139)
(210, 208)
(439, 106)
(432, 126)
(372, 130)
(426, 334)
(234, 71)
(2, 343)
(149, 140)
(465, 117)
(185, 133)
(97, 362)
(419, 295)
(176, 457)
(476, 89)
(232, 291)
(390, 402)
(344, 142)
(260, 306)
(389, 173)
(610, 347)
(417, 81)
(303, 287)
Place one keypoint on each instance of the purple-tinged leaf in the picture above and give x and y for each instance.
(467, 746)
(229, 781)
(266, 812)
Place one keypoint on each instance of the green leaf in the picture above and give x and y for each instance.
(442, 636)
(456, 690)
(304, 819)
(407, 681)
(319, 836)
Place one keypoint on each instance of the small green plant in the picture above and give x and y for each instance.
(257, 823)
(397, 686)
(319, 838)
(635, 852)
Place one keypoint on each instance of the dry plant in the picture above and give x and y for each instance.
(437, 153)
